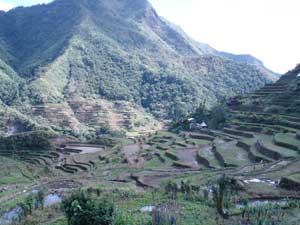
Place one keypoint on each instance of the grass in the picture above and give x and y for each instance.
(192, 212)
(197, 141)
(166, 141)
(208, 155)
(162, 139)
(233, 155)
(130, 205)
(249, 141)
(12, 172)
(259, 155)
(262, 188)
(225, 135)
(12, 203)
(253, 151)
(295, 177)
(169, 142)
(285, 152)
(287, 139)
(266, 121)
(124, 141)
(47, 216)
(265, 126)
(268, 142)
(156, 163)
(129, 187)
(59, 221)
(13, 179)
(194, 209)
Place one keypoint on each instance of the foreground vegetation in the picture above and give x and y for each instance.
(174, 203)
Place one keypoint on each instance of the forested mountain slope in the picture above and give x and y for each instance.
(55, 57)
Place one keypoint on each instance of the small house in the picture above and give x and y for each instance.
(197, 126)
(203, 125)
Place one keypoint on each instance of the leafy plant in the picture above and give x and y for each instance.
(221, 190)
(81, 209)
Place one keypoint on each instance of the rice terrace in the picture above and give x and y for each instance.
(258, 150)
(111, 115)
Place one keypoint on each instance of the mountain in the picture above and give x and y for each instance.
(244, 58)
(79, 65)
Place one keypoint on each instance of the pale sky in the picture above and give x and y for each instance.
(266, 29)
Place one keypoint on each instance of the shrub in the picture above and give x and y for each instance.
(166, 215)
(40, 196)
(81, 209)
(35, 140)
(171, 189)
(104, 140)
(108, 131)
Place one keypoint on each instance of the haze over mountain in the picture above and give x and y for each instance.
(83, 64)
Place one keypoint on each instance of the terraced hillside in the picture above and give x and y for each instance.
(265, 165)
(254, 136)
(281, 98)
(258, 149)
(272, 114)
(95, 114)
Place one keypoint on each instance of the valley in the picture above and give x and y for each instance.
(112, 115)
(256, 148)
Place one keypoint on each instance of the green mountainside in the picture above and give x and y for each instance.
(113, 56)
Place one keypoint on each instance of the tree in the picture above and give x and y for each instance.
(171, 189)
(220, 191)
(81, 209)
(218, 116)
(201, 113)
(178, 109)
(40, 196)
(29, 204)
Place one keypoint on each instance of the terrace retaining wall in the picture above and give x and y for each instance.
(285, 145)
(266, 151)
(203, 161)
(202, 137)
(238, 133)
(289, 184)
(171, 156)
(218, 156)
